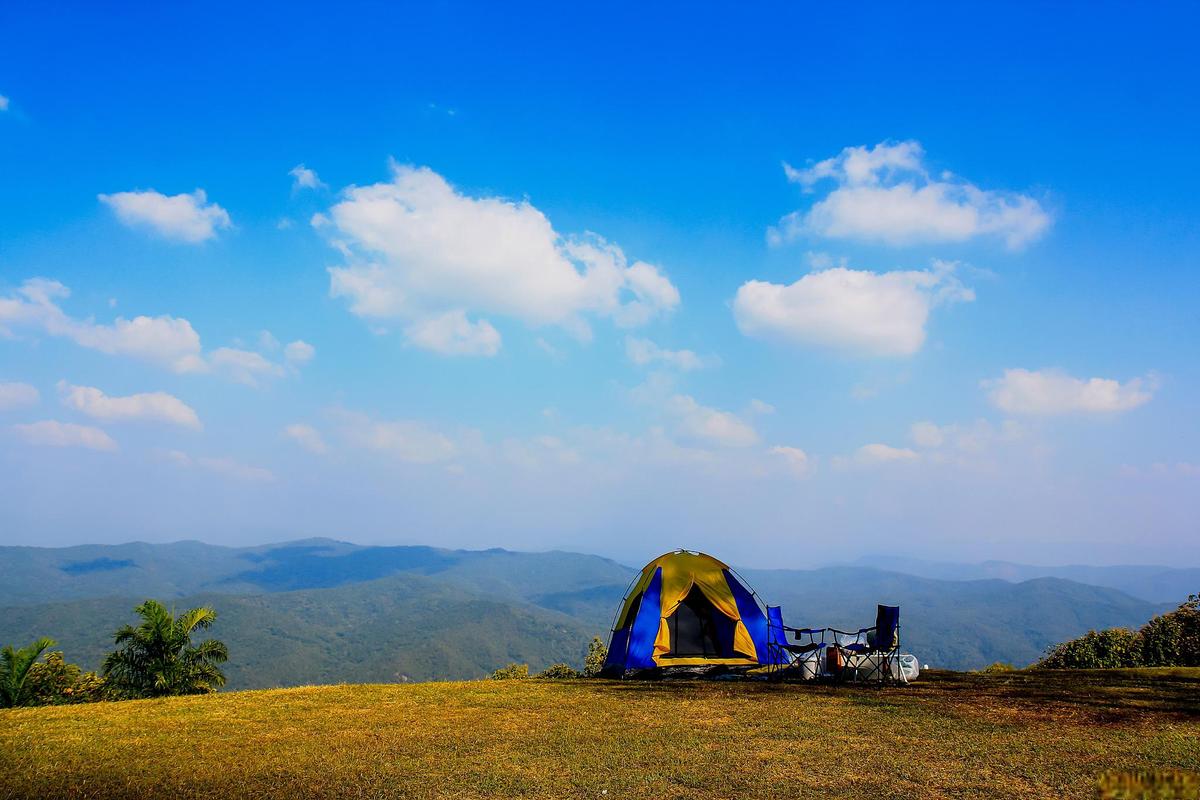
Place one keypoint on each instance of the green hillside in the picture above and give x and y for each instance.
(322, 611)
(1025, 735)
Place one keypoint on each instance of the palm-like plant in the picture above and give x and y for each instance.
(157, 658)
(14, 667)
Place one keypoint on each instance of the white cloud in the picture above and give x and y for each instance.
(885, 193)
(927, 434)
(168, 341)
(406, 440)
(1050, 391)
(969, 438)
(183, 217)
(224, 466)
(306, 436)
(796, 460)
(418, 249)
(759, 407)
(304, 178)
(644, 352)
(3, 103)
(868, 313)
(243, 366)
(710, 425)
(452, 334)
(154, 406)
(51, 433)
(882, 453)
(17, 395)
(299, 352)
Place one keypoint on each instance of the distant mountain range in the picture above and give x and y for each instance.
(1153, 583)
(319, 611)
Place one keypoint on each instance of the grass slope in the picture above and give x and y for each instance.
(1026, 735)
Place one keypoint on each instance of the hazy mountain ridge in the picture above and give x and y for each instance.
(319, 610)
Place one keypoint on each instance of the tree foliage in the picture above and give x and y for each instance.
(597, 654)
(1168, 640)
(511, 672)
(157, 658)
(559, 672)
(14, 671)
(54, 681)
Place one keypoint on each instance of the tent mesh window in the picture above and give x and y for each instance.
(694, 629)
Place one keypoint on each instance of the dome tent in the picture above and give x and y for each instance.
(687, 609)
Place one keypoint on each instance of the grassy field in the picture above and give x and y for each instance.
(1035, 735)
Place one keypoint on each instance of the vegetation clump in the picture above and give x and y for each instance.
(998, 667)
(511, 672)
(15, 665)
(1168, 640)
(560, 672)
(597, 654)
(53, 681)
(157, 657)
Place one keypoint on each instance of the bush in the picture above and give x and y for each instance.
(560, 672)
(597, 654)
(511, 672)
(55, 682)
(1110, 649)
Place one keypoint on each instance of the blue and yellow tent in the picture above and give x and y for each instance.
(687, 609)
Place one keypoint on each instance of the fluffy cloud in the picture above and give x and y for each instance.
(868, 313)
(304, 178)
(183, 217)
(885, 193)
(882, 454)
(51, 433)
(452, 334)
(224, 466)
(299, 352)
(3, 103)
(152, 406)
(709, 425)
(422, 252)
(306, 436)
(164, 340)
(17, 395)
(969, 438)
(644, 352)
(796, 460)
(1049, 391)
(406, 440)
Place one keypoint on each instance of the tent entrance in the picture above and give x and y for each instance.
(698, 630)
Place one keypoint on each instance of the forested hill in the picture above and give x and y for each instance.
(321, 611)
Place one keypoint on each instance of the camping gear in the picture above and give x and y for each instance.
(802, 659)
(870, 652)
(687, 609)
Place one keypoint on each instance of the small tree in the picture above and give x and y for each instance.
(597, 654)
(53, 681)
(511, 672)
(1110, 649)
(157, 658)
(559, 672)
(14, 671)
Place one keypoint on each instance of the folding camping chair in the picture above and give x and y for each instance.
(872, 652)
(784, 656)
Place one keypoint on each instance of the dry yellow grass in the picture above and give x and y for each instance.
(1013, 735)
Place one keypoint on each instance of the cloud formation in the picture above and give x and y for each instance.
(51, 433)
(796, 460)
(406, 440)
(854, 311)
(186, 218)
(304, 178)
(165, 341)
(644, 352)
(148, 406)
(881, 454)
(307, 437)
(224, 466)
(421, 252)
(1051, 391)
(709, 425)
(886, 194)
(17, 395)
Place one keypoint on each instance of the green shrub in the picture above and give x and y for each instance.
(1110, 649)
(56, 682)
(560, 672)
(597, 654)
(511, 672)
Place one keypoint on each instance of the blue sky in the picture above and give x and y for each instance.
(789, 285)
